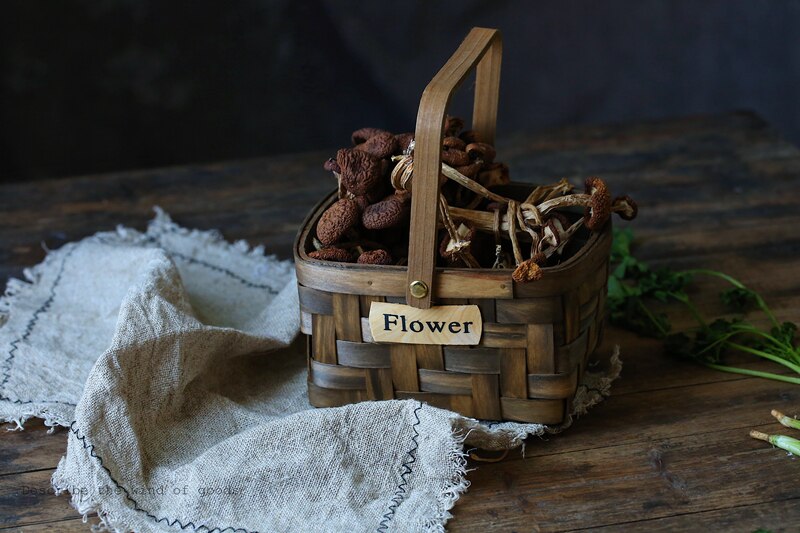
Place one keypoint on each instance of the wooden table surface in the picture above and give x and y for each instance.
(669, 451)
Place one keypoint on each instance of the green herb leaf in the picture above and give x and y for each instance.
(633, 287)
(738, 299)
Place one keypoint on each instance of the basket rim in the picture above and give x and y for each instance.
(308, 269)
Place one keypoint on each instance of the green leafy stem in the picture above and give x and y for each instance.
(634, 289)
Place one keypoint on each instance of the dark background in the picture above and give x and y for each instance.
(102, 85)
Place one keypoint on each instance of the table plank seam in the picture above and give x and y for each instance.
(690, 513)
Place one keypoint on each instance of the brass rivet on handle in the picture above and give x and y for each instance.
(418, 289)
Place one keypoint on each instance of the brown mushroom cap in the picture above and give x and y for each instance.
(453, 143)
(403, 140)
(625, 207)
(599, 208)
(470, 136)
(380, 145)
(529, 270)
(387, 213)
(332, 253)
(364, 134)
(455, 158)
(375, 257)
(360, 170)
(337, 220)
(452, 125)
(471, 171)
(483, 151)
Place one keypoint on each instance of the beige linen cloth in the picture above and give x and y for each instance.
(168, 354)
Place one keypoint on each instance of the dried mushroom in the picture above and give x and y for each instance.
(388, 213)
(337, 220)
(599, 208)
(375, 257)
(529, 270)
(528, 234)
(452, 125)
(484, 152)
(364, 134)
(403, 141)
(361, 172)
(380, 145)
(332, 253)
(625, 207)
(455, 158)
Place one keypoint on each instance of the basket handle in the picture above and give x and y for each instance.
(428, 145)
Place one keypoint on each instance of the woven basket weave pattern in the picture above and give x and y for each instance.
(526, 368)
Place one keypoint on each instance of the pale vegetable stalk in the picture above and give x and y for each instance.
(787, 421)
(781, 441)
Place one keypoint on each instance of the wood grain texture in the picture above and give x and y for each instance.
(668, 451)
(428, 145)
(323, 339)
(347, 316)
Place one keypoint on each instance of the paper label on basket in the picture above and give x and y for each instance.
(445, 324)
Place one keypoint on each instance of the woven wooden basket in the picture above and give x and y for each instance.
(536, 336)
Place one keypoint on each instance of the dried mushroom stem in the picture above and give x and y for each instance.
(403, 173)
(570, 200)
(459, 244)
(547, 192)
(565, 239)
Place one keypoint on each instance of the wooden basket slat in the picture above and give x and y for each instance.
(322, 397)
(472, 360)
(586, 322)
(487, 307)
(363, 354)
(486, 396)
(429, 356)
(540, 348)
(323, 338)
(366, 333)
(572, 315)
(315, 301)
(596, 281)
(337, 376)
(570, 355)
(404, 366)
(542, 310)
(553, 386)
(349, 278)
(513, 368)
(347, 316)
(542, 411)
(504, 335)
(379, 384)
(588, 309)
(305, 323)
(444, 382)
(365, 302)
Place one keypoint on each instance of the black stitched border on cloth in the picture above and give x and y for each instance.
(73, 427)
(405, 470)
(46, 305)
(27, 402)
(27, 333)
(193, 260)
